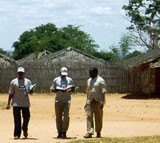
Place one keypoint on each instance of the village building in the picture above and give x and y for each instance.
(45, 68)
(144, 73)
(7, 72)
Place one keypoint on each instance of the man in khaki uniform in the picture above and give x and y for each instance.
(96, 89)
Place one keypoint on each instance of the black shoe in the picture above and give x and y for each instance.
(98, 135)
(59, 135)
(88, 135)
(64, 135)
(25, 134)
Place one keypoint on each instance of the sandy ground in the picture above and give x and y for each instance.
(122, 118)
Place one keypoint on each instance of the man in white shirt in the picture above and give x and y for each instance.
(62, 101)
(18, 94)
(96, 89)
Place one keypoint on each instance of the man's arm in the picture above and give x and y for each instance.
(103, 88)
(9, 101)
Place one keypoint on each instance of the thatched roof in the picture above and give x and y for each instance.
(34, 56)
(155, 65)
(151, 56)
(70, 56)
(6, 61)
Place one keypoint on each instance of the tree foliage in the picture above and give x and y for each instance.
(145, 22)
(108, 56)
(120, 51)
(133, 54)
(49, 37)
(123, 48)
(3, 52)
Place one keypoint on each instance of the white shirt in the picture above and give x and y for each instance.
(96, 88)
(62, 82)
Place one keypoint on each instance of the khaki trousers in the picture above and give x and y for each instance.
(95, 112)
(62, 116)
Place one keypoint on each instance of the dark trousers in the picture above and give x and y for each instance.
(17, 111)
(62, 116)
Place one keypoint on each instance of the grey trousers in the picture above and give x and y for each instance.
(95, 112)
(62, 116)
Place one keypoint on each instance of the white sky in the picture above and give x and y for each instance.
(104, 20)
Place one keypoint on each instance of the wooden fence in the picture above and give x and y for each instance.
(116, 78)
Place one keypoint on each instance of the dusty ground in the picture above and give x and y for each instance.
(122, 118)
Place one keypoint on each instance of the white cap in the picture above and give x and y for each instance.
(21, 69)
(64, 71)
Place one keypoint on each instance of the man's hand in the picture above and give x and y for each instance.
(101, 105)
(8, 107)
(85, 106)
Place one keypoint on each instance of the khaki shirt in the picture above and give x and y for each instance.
(96, 88)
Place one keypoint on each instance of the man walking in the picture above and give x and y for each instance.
(18, 93)
(63, 87)
(95, 101)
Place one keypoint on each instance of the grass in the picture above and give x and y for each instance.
(145, 139)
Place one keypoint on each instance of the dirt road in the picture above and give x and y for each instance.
(122, 118)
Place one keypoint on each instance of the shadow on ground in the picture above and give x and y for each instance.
(141, 96)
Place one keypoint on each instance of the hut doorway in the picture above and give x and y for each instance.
(157, 81)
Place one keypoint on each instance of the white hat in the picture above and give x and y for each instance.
(64, 71)
(21, 69)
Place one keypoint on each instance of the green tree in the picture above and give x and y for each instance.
(122, 49)
(133, 54)
(125, 44)
(108, 56)
(145, 22)
(49, 37)
(74, 37)
(116, 52)
(34, 40)
(3, 52)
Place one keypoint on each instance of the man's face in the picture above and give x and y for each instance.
(92, 74)
(20, 75)
(63, 76)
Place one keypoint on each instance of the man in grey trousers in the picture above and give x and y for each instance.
(63, 87)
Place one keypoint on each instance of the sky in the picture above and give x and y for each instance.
(103, 20)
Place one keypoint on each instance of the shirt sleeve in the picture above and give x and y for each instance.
(103, 86)
(29, 84)
(88, 86)
(53, 86)
(11, 88)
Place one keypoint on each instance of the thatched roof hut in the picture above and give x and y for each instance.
(151, 56)
(44, 69)
(70, 57)
(7, 72)
(6, 61)
(145, 73)
(34, 56)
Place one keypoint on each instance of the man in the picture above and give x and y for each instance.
(63, 87)
(95, 101)
(18, 93)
